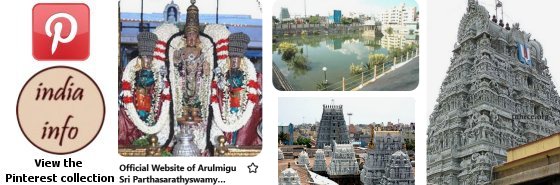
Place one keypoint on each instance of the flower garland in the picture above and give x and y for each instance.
(229, 121)
(128, 86)
(164, 32)
(219, 34)
(204, 93)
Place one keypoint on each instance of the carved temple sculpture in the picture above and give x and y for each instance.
(496, 74)
(343, 160)
(386, 163)
(399, 170)
(289, 177)
(320, 164)
(303, 159)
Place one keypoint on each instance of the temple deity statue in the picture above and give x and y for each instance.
(191, 62)
(145, 94)
(236, 94)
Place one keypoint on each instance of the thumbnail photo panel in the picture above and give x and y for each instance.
(345, 45)
(190, 79)
(346, 141)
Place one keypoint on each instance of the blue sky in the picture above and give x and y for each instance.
(324, 7)
(365, 110)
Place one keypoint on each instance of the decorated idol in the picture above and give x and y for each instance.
(191, 60)
(236, 94)
(145, 93)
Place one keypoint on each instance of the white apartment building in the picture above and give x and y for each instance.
(399, 15)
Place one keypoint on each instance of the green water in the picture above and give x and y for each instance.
(336, 53)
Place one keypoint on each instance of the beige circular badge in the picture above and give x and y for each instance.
(60, 110)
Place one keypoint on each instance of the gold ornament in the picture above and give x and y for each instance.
(192, 24)
(221, 149)
(153, 149)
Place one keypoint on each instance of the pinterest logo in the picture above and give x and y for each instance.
(60, 31)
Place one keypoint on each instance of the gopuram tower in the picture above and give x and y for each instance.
(498, 94)
(332, 127)
(382, 145)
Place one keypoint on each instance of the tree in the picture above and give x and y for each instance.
(275, 20)
(283, 137)
(395, 52)
(410, 48)
(288, 50)
(293, 56)
(299, 61)
(409, 144)
(356, 69)
(346, 21)
(303, 141)
(288, 21)
(389, 30)
(321, 86)
(314, 20)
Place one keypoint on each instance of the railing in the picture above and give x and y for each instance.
(357, 81)
(281, 79)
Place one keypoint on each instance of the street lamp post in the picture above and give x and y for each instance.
(142, 16)
(217, 5)
(325, 71)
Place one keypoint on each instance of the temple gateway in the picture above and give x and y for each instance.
(332, 127)
(498, 75)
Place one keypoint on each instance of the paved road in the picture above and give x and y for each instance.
(404, 78)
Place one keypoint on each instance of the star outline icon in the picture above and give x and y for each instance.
(253, 168)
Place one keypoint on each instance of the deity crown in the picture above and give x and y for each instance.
(192, 24)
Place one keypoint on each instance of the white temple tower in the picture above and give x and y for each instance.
(380, 149)
(280, 154)
(303, 158)
(320, 162)
(498, 75)
(399, 170)
(343, 160)
(332, 127)
(289, 177)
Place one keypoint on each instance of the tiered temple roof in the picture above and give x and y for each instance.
(343, 160)
(303, 158)
(289, 177)
(497, 75)
(320, 161)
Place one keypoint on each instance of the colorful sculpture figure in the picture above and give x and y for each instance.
(145, 77)
(236, 95)
(191, 61)
(145, 94)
